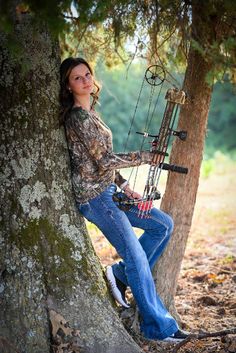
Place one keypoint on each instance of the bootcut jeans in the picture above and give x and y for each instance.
(138, 255)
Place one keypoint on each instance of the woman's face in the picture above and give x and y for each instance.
(80, 80)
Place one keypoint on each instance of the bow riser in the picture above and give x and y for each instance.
(174, 98)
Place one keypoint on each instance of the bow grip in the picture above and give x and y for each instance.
(174, 168)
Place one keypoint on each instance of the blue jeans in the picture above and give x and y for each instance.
(138, 255)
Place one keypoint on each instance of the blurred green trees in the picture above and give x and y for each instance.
(119, 99)
(221, 133)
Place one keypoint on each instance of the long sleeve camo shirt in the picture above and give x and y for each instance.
(93, 163)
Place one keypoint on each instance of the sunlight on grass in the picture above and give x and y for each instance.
(214, 222)
(219, 164)
(221, 215)
(207, 168)
(94, 232)
(228, 259)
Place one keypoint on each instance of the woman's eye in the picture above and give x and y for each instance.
(88, 75)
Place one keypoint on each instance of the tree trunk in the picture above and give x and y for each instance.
(52, 292)
(180, 196)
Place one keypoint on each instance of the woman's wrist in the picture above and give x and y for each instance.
(124, 185)
(128, 191)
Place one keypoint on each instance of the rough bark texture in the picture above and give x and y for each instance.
(52, 290)
(180, 196)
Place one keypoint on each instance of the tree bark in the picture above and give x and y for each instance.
(181, 190)
(52, 292)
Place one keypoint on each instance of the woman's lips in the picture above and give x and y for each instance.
(87, 87)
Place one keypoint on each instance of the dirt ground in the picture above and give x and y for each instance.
(206, 293)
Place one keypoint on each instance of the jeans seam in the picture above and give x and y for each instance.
(113, 219)
(137, 273)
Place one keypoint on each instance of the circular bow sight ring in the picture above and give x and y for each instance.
(155, 75)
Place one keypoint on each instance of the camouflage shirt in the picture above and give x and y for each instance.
(93, 163)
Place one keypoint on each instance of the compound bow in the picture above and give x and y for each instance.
(155, 76)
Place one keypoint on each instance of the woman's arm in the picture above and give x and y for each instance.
(80, 131)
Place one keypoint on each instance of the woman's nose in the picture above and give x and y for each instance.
(85, 79)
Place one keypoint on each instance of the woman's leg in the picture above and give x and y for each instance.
(157, 231)
(157, 323)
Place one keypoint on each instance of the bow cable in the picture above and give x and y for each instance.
(154, 76)
(147, 125)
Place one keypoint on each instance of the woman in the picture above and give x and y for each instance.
(95, 180)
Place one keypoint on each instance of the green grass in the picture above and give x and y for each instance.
(217, 164)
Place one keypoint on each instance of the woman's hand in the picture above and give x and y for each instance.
(153, 157)
(143, 205)
(131, 194)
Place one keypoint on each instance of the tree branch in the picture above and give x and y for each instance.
(69, 17)
(203, 335)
